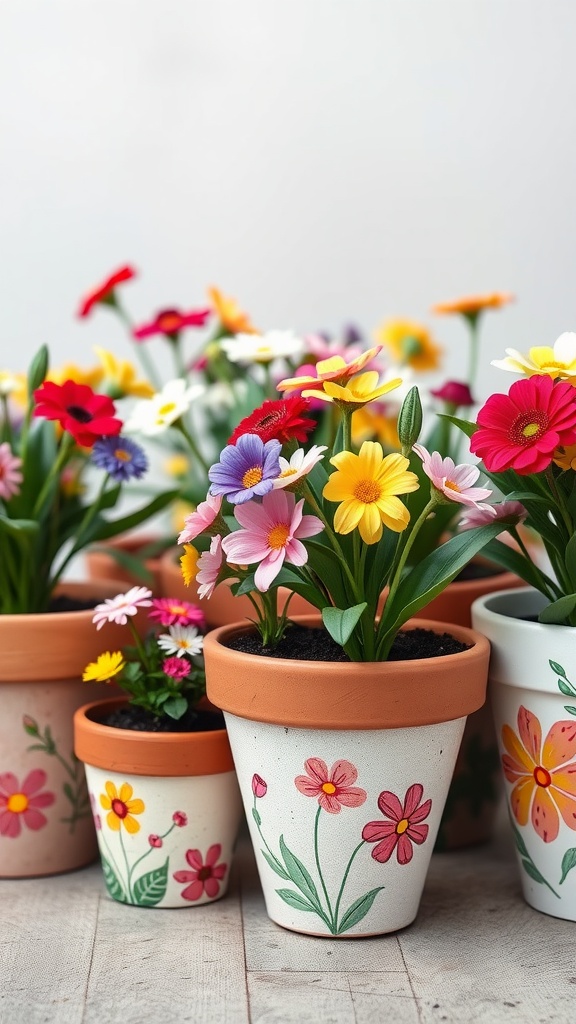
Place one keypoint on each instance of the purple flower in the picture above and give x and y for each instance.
(246, 469)
(122, 458)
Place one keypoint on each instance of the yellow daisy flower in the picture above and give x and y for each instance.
(121, 807)
(120, 376)
(229, 313)
(356, 392)
(557, 361)
(189, 564)
(177, 465)
(366, 485)
(104, 668)
(410, 344)
(334, 370)
(368, 423)
(471, 305)
(70, 371)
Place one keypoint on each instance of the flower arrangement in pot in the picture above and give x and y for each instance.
(158, 763)
(526, 439)
(344, 725)
(65, 464)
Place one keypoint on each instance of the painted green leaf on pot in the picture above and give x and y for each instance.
(358, 910)
(557, 668)
(112, 882)
(256, 817)
(275, 865)
(298, 873)
(150, 888)
(293, 899)
(570, 709)
(568, 862)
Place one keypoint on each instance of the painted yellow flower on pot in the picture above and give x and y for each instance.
(121, 807)
(410, 344)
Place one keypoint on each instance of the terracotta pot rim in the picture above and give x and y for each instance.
(347, 695)
(152, 754)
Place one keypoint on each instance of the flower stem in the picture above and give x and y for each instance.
(193, 446)
(321, 876)
(408, 545)
(143, 355)
(344, 880)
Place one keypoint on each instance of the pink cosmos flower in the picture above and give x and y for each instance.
(272, 534)
(454, 482)
(118, 609)
(180, 819)
(204, 877)
(509, 513)
(176, 668)
(201, 519)
(22, 803)
(403, 827)
(259, 787)
(10, 472)
(208, 568)
(332, 787)
(169, 611)
(155, 841)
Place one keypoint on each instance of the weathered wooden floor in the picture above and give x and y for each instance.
(476, 953)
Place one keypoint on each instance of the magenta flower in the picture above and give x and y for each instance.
(118, 609)
(454, 482)
(208, 567)
(272, 534)
(454, 392)
(169, 611)
(170, 322)
(204, 877)
(246, 469)
(201, 519)
(403, 827)
(259, 787)
(10, 472)
(180, 819)
(21, 803)
(155, 841)
(176, 668)
(509, 513)
(332, 787)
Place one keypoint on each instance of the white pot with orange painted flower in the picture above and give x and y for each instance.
(532, 688)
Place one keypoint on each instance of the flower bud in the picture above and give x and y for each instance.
(410, 420)
(259, 787)
(455, 393)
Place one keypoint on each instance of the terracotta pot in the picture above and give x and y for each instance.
(101, 562)
(222, 608)
(476, 790)
(45, 821)
(533, 693)
(166, 808)
(335, 757)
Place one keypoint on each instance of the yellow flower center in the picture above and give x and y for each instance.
(367, 491)
(530, 429)
(528, 426)
(452, 486)
(165, 409)
(287, 472)
(177, 609)
(329, 787)
(252, 476)
(264, 350)
(183, 644)
(278, 536)
(17, 803)
(402, 826)
(542, 777)
(122, 455)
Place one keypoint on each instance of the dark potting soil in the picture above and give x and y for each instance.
(140, 720)
(306, 644)
(63, 603)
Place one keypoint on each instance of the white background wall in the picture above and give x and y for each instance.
(322, 160)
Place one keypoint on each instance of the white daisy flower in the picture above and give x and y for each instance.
(300, 464)
(557, 361)
(181, 640)
(117, 609)
(153, 415)
(262, 348)
(8, 383)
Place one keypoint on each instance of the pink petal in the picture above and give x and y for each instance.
(244, 548)
(317, 769)
(309, 527)
(405, 850)
(329, 802)
(267, 572)
(421, 812)
(385, 849)
(42, 800)
(194, 859)
(353, 796)
(530, 733)
(193, 892)
(219, 871)
(34, 781)
(185, 876)
(412, 799)
(253, 517)
(10, 824)
(295, 552)
(212, 887)
(375, 830)
(9, 783)
(34, 819)
(390, 805)
(417, 833)
(545, 816)
(343, 773)
(213, 855)
(306, 786)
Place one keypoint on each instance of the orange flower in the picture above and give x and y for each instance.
(369, 424)
(565, 456)
(544, 783)
(232, 318)
(471, 305)
(410, 344)
(335, 370)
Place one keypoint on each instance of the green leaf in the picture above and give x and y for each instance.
(514, 561)
(570, 560)
(275, 865)
(358, 910)
(568, 862)
(558, 611)
(112, 529)
(340, 623)
(175, 707)
(150, 888)
(531, 869)
(298, 873)
(256, 816)
(112, 882)
(520, 844)
(570, 709)
(566, 689)
(296, 901)
(557, 668)
(468, 428)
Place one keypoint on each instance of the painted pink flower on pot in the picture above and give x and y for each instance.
(21, 803)
(402, 826)
(332, 787)
(205, 876)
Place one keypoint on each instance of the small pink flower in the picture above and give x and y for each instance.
(204, 877)
(454, 482)
(509, 513)
(10, 472)
(169, 611)
(402, 829)
(155, 841)
(118, 609)
(176, 668)
(332, 787)
(95, 815)
(22, 803)
(180, 819)
(259, 787)
(201, 519)
(208, 568)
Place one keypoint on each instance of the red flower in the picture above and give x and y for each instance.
(404, 827)
(280, 420)
(105, 291)
(259, 787)
(180, 819)
(170, 322)
(155, 841)
(21, 803)
(78, 409)
(332, 787)
(522, 429)
(204, 877)
(454, 392)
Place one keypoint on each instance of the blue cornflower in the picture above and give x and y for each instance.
(246, 469)
(122, 458)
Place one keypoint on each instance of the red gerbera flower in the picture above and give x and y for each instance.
(204, 878)
(105, 291)
(521, 430)
(78, 409)
(280, 420)
(170, 321)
